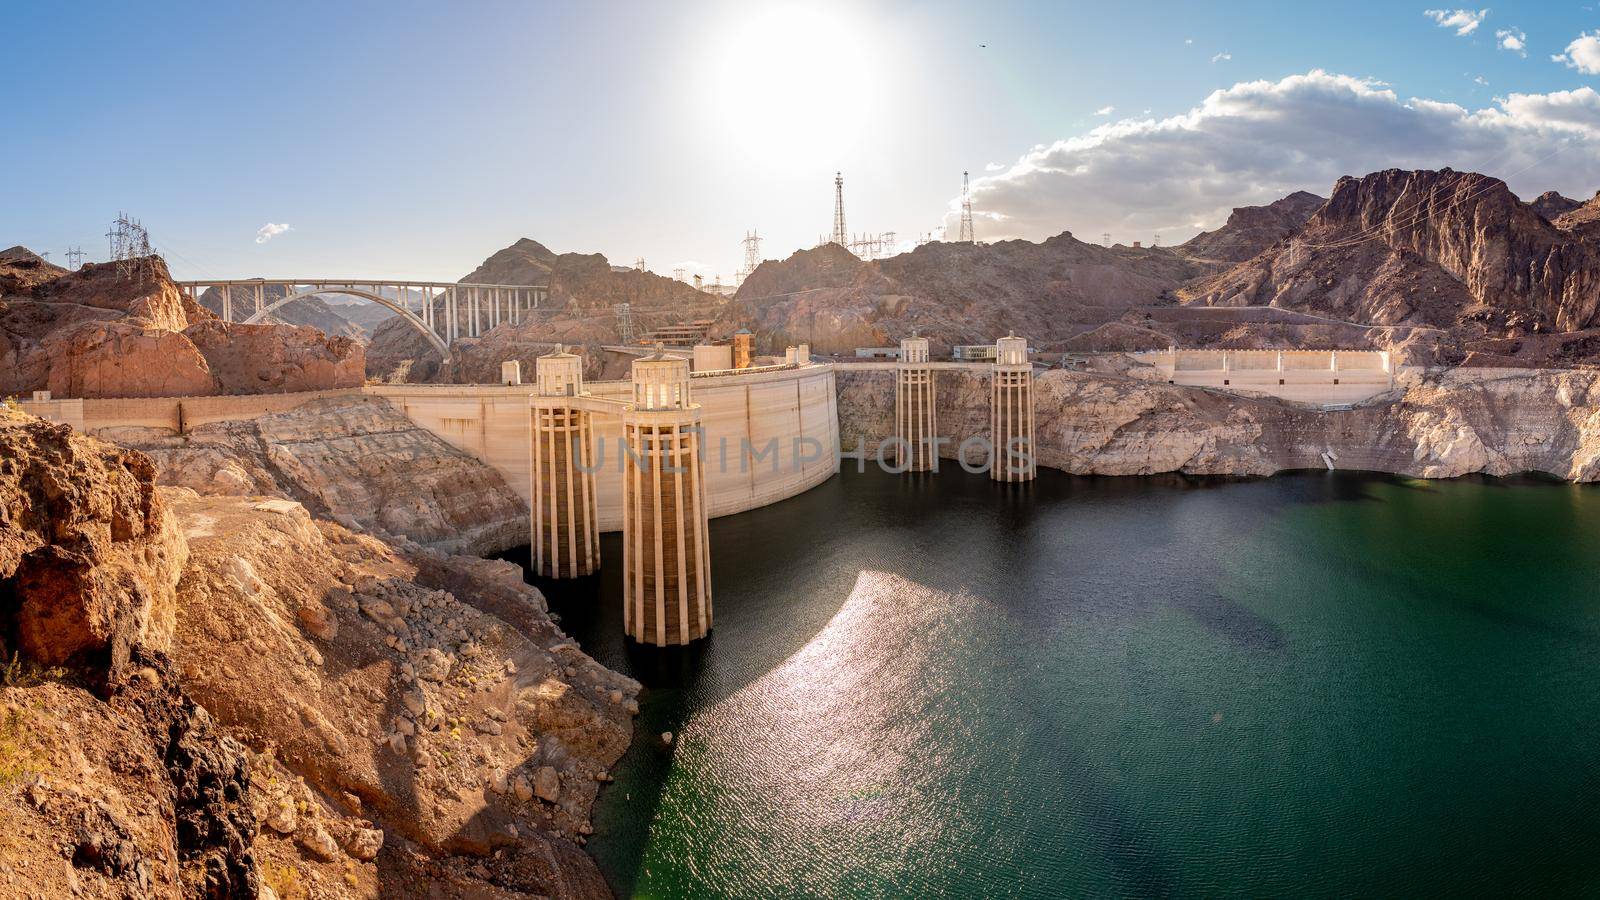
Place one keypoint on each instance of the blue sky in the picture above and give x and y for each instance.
(413, 140)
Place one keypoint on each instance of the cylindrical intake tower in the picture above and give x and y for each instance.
(565, 527)
(915, 415)
(666, 580)
(1011, 412)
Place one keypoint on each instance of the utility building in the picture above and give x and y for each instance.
(566, 534)
(666, 579)
(1011, 412)
(915, 414)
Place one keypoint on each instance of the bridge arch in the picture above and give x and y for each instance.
(410, 317)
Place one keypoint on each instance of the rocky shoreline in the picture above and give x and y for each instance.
(1439, 423)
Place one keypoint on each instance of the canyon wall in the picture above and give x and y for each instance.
(275, 684)
(350, 458)
(1435, 424)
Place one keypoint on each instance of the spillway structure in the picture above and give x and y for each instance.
(1011, 412)
(565, 526)
(666, 580)
(915, 411)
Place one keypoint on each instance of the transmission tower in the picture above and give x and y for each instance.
(966, 213)
(74, 258)
(752, 254)
(678, 273)
(840, 236)
(625, 322)
(130, 246)
(1105, 239)
(1156, 241)
(638, 264)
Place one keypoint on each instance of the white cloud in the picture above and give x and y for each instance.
(1481, 80)
(1260, 140)
(1222, 56)
(1105, 110)
(1464, 21)
(269, 231)
(1188, 40)
(993, 167)
(1513, 39)
(1582, 54)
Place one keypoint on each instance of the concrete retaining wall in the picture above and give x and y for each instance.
(175, 414)
(1301, 376)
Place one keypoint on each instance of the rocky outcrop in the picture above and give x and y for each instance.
(120, 359)
(1551, 205)
(105, 332)
(1436, 424)
(1252, 229)
(354, 459)
(386, 679)
(1447, 250)
(21, 269)
(112, 782)
(274, 359)
(91, 553)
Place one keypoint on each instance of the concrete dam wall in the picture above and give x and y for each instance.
(769, 434)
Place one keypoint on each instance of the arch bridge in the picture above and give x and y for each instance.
(444, 311)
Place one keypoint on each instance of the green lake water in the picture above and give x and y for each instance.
(1323, 684)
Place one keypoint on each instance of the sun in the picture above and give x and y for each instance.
(797, 84)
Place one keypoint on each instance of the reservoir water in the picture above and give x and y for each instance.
(1316, 684)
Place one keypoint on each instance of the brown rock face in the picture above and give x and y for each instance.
(122, 359)
(1453, 252)
(93, 552)
(152, 300)
(269, 359)
(21, 269)
(99, 333)
(1552, 205)
(355, 459)
(951, 293)
(1252, 229)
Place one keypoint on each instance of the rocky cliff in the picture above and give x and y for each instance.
(1252, 229)
(1451, 251)
(432, 723)
(369, 713)
(356, 460)
(113, 783)
(1438, 424)
(100, 332)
